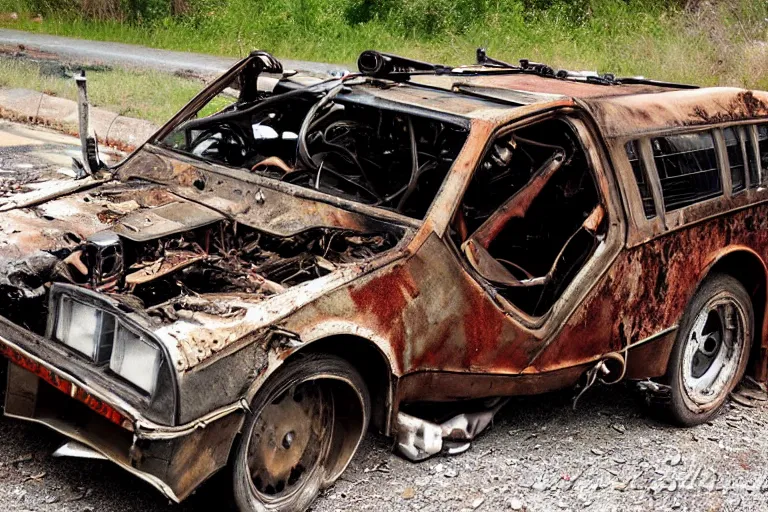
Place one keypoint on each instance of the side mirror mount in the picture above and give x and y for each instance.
(91, 163)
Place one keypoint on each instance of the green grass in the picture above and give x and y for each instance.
(145, 95)
(720, 43)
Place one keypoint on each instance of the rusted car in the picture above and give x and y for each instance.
(291, 260)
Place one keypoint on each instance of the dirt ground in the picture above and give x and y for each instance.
(540, 455)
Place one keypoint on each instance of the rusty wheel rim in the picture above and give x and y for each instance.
(714, 349)
(290, 441)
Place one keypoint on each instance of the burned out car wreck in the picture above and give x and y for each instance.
(292, 260)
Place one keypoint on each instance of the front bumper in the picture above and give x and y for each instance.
(175, 460)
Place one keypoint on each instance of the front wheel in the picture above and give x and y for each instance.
(711, 350)
(305, 425)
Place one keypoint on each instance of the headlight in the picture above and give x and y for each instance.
(85, 329)
(135, 360)
(104, 338)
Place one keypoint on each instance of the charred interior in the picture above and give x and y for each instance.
(325, 137)
(532, 215)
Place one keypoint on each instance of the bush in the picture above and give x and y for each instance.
(699, 41)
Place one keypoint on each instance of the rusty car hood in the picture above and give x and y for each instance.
(268, 261)
(138, 210)
(154, 197)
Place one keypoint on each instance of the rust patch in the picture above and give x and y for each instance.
(483, 324)
(386, 297)
(438, 351)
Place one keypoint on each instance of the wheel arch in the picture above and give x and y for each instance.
(372, 364)
(745, 265)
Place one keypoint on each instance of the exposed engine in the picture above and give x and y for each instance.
(221, 257)
(231, 259)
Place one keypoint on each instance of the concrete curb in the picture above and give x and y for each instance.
(61, 114)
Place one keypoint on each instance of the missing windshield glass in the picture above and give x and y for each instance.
(324, 137)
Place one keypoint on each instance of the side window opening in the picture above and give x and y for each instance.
(754, 168)
(633, 153)
(531, 216)
(735, 159)
(762, 146)
(687, 167)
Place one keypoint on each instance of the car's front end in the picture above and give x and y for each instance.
(54, 386)
(155, 315)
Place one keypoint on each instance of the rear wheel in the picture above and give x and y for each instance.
(711, 351)
(305, 425)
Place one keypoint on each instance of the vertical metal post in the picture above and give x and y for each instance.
(88, 144)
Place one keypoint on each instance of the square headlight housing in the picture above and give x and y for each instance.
(104, 337)
(85, 329)
(135, 359)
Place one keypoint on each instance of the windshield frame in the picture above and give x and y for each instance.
(354, 94)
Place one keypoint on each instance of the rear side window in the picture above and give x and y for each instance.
(762, 145)
(687, 166)
(735, 159)
(642, 182)
(754, 169)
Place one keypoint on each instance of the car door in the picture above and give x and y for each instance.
(539, 225)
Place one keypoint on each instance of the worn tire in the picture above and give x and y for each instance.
(686, 404)
(342, 417)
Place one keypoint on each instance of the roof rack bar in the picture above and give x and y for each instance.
(634, 80)
(536, 67)
(379, 64)
(394, 67)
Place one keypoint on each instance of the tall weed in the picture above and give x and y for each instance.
(700, 41)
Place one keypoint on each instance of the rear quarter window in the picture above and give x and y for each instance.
(687, 167)
(633, 154)
(735, 158)
(762, 145)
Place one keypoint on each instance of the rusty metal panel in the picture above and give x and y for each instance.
(639, 115)
(274, 207)
(165, 220)
(649, 286)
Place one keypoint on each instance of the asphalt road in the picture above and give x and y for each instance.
(128, 55)
(539, 455)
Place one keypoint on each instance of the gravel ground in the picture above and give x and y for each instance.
(539, 455)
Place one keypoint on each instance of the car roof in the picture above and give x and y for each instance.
(641, 114)
(537, 84)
